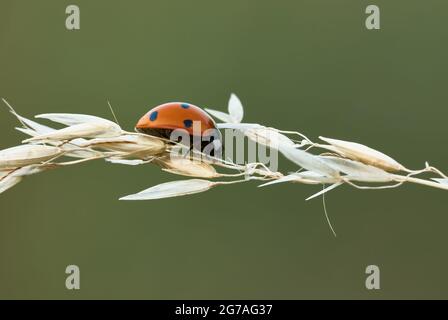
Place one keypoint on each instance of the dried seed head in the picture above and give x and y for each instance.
(134, 162)
(305, 177)
(30, 170)
(129, 144)
(70, 119)
(101, 129)
(220, 115)
(187, 167)
(34, 129)
(308, 161)
(27, 154)
(364, 154)
(268, 137)
(313, 177)
(73, 151)
(172, 189)
(357, 171)
(235, 109)
(9, 182)
(10, 178)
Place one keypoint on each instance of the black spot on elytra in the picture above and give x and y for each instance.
(153, 115)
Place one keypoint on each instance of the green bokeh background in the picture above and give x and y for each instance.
(305, 65)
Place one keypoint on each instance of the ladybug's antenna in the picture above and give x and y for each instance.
(112, 111)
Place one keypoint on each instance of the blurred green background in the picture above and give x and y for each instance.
(304, 65)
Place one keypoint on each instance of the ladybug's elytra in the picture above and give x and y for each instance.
(163, 119)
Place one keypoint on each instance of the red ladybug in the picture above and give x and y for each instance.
(163, 119)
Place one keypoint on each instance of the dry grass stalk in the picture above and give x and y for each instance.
(89, 138)
(364, 154)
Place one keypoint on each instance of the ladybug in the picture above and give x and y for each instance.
(162, 120)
